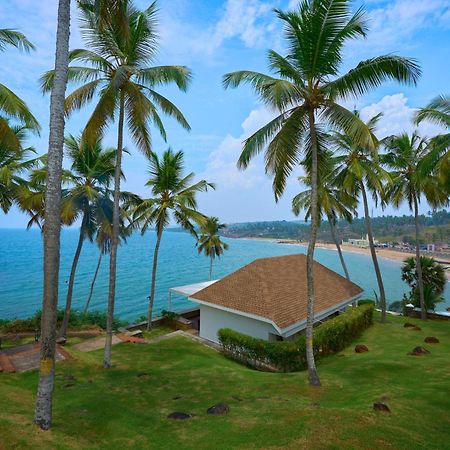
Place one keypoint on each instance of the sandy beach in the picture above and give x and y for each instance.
(387, 253)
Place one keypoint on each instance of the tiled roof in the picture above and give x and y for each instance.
(275, 288)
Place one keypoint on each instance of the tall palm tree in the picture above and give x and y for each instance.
(359, 172)
(209, 241)
(438, 112)
(304, 91)
(43, 411)
(103, 240)
(13, 164)
(92, 171)
(13, 107)
(122, 43)
(333, 202)
(405, 158)
(173, 197)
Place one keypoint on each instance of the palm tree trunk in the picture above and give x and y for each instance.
(152, 288)
(114, 237)
(65, 322)
(91, 290)
(52, 217)
(210, 267)
(338, 246)
(374, 254)
(423, 310)
(312, 371)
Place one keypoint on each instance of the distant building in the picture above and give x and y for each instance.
(363, 242)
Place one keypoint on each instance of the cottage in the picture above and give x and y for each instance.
(267, 298)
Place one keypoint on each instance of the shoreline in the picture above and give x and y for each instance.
(386, 253)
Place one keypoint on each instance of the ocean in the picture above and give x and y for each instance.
(179, 264)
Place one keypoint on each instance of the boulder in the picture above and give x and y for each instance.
(416, 328)
(177, 415)
(361, 348)
(219, 409)
(380, 406)
(418, 351)
(431, 340)
(409, 325)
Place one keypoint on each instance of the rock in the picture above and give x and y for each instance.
(380, 406)
(219, 409)
(416, 328)
(361, 348)
(177, 397)
(61, 340)
(431, 340)
(409, 325)
(143, 375)
(68, 385)
(177, 415)
(419, 351)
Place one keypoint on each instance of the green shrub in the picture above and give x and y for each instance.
(289, 356)
(78, 319)
(366, 302)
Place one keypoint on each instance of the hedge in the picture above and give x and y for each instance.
(289, 356)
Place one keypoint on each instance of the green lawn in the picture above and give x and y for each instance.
(127, 406)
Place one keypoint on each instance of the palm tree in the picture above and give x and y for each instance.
(11, 106)
(92, 170)
(359, 172)
(13, 164)
(173, 195)
(406, 158)
(103, 239)
(209, 241)
(333, 202)
(438, 112)
(122, 42)
(43, 411)
(304, 90)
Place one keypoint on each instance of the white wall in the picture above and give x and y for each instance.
(212, 320)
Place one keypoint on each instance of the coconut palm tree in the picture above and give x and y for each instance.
(209, 241)
(91, 173)
(11, 106)
(405, 159)
(43, 411)
(438, 112)
(333, 202)
(103, 238)
(304, 91)
(122, 44)
(359, 171)
(13, 164)
(173, 197)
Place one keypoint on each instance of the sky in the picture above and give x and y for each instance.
(213, 37)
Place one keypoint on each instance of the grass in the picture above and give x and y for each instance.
(127, 406)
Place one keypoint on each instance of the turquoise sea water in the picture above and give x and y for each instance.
(179, 264)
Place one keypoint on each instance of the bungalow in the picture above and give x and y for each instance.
(267, 298)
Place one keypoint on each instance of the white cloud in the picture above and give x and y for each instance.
(397, 117)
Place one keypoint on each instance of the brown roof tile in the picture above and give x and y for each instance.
(275, 288)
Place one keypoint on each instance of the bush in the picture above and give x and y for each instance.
(78, 320)
(289, 356)
(366, 302)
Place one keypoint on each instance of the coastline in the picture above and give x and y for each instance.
(387, 253)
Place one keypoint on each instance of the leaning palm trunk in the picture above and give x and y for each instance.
(423, 310)
(338, 246)
(66, 318)
(52, 227)
(211, 258)
(114, 237)
(91, 290)
(374, 255)
(312, 372)
(152, 288)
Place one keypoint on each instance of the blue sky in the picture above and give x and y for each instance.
(213, 37)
